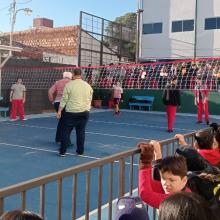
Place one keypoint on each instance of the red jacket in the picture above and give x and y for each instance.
(151, 191)
(211, 155)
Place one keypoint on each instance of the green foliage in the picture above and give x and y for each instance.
(120, 35)
(129, 20)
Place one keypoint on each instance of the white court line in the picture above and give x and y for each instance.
(46, 150)
(106, 206)
(137, 125)
(88, 132)
(52, 151)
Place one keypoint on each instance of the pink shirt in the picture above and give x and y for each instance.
(55, 93)
(117, 92)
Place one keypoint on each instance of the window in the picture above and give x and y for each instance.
(212, 23)
(188, 25)
(182, 26)
(177, 26)
(153, 28)
(157, 27)
(147, 28)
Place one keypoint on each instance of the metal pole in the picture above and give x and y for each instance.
(80, 39)
(195, 31)
(139, 11)
(13, 18)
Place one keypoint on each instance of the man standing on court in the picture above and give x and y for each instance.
(201, 100)
(55, 94)
(118, 92)
(77, 98)
(17, 99)
(171, 98)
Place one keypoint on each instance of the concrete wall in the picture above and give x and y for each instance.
(180, 44)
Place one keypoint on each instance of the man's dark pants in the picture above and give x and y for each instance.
(59, 125)
(77, 121)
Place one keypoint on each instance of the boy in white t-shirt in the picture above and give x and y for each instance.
(118, 92)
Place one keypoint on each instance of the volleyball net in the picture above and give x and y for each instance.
(153, 75)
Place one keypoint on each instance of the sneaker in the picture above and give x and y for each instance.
(24, 119)
(79, 153)
(62, 154)
(170, 130)
(13, 119)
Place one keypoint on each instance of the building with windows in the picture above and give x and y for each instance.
(174, 29)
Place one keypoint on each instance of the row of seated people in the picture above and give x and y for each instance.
(155, 78)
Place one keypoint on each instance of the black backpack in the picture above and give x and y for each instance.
(208, 186)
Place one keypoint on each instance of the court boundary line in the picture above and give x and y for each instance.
(87, 132)
(47, 150)
(94, 110)
(57, 152)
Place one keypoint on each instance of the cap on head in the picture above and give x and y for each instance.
(131, 208)
(67, 75)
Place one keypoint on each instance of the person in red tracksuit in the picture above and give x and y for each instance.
(17, 99)
(172, 171)
(201, 100)
(171, 98)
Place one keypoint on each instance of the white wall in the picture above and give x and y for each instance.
(180, 44)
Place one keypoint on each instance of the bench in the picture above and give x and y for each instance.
(141, 102)
(3, 110)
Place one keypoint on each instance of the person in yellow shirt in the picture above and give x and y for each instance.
(77, 98)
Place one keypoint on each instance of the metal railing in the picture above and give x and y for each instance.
(122, 174)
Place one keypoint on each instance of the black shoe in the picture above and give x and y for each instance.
(170, 130)
(79, 153)
(62, 154)
(207, 122)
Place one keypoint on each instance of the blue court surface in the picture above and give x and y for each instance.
(28, 150)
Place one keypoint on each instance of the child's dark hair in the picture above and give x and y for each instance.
(175, 164)
(20, 215)
(204, 139)
(185, 206)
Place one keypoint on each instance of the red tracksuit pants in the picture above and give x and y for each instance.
(202, 107)
(171, 114)
(17, 105)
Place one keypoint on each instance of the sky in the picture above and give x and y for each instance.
(62, 12)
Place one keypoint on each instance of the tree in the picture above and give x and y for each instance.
(120, 35)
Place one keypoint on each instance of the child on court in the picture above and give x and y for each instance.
(118, 92)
